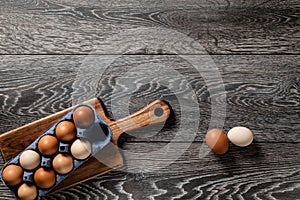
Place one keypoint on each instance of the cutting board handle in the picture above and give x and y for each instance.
(156, 112)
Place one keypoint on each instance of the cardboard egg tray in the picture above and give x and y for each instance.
(98, 134)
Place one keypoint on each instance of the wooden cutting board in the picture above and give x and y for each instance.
(15, 141)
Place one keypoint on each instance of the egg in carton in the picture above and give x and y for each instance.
(61, 149)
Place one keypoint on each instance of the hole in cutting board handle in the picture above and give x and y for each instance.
(158, 112)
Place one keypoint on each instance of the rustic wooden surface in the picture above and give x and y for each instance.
(255, 45)
(221, 26)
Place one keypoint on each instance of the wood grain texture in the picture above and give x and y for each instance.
(260, 171)
(221, 27)
(262, 92)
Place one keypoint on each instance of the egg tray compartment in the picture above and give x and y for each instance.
(98, 134)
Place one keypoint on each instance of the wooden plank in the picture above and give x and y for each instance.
(221, 27)
(274, 4)
(262, 170)
(262, 92)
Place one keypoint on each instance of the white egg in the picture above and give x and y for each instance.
(81, 149)
(29, 159)
(240, 136)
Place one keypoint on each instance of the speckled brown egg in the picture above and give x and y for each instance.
(44, 178)
(65, 131)
(83, 117)
(62, 163)
(48, 145)
(12, 175)
(27, 192)
(217, 140)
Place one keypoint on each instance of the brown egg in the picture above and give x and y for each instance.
(12, 175)
(48, 145)
(44, 178)
(27, 192)
(65, 131)
(83, 116)
(62, 163)
(217, 140)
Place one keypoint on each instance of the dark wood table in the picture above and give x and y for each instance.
(45, 47)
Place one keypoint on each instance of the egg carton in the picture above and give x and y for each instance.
(98, 134)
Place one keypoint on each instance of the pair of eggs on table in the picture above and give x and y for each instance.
(218, 141)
